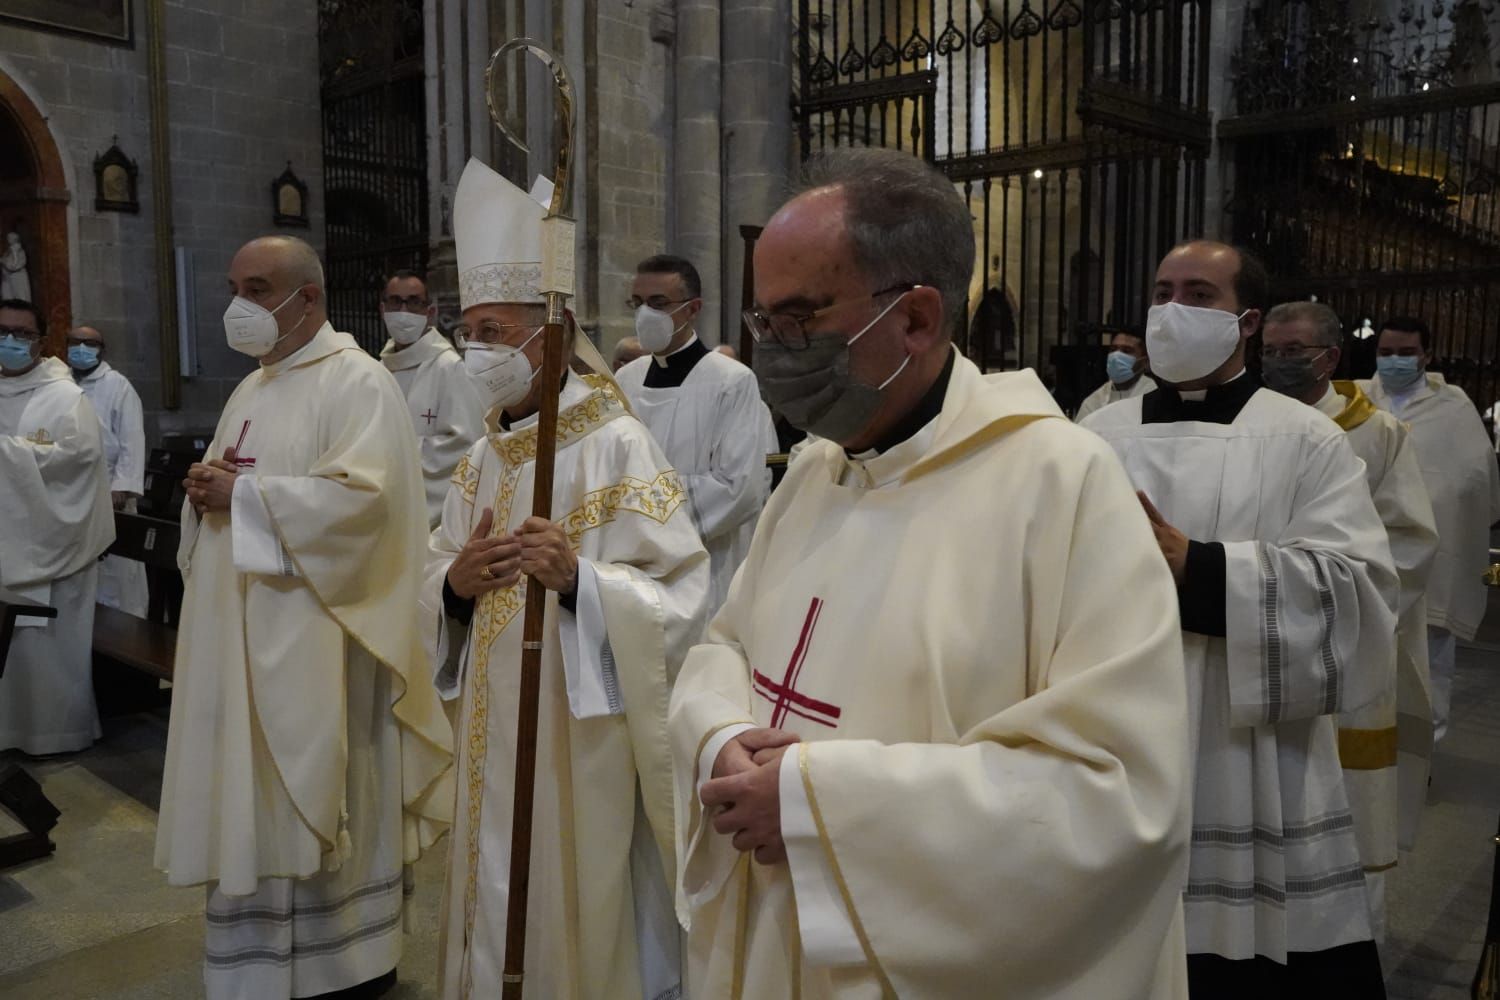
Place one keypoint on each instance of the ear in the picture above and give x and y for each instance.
(313, 294)
(1250, 324)
(924, 313)
(1335, 355)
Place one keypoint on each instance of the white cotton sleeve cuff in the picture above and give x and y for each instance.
(257, 549)
(710, 857)
(828, 936)
(588, 662)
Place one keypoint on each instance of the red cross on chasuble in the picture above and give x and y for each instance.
(784, 696)
(241, 461)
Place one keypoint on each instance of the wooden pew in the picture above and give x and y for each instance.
(149, 644)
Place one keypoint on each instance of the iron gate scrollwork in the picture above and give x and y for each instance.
(1077, 131)
(1366, 151)
(374, 153)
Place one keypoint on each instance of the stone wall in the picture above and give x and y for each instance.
(243, 101)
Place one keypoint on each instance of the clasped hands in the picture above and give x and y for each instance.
(744, 794)
(537, 548)
(210, 485)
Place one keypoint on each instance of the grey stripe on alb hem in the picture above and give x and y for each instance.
(1325, 648)
(1245, 836)
(1262, 890)
(263, 914)
(1270, 634)
(310, 950)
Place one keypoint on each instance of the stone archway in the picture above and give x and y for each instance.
(34, 193)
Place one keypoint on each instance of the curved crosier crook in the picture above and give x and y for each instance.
(563, 175)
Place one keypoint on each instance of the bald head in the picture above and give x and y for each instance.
(293, 259)
(626, 351)
(283, 275)
(86, 335)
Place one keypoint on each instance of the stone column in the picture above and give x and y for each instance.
(757, 131)
(696, 179)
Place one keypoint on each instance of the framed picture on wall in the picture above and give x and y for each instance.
(104, 20)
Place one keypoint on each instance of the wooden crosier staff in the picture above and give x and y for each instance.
(557, 285)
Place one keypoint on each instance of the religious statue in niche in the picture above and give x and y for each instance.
(115, 181)
(15, 279)
(289, 199)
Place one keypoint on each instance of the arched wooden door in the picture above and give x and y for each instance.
(34, 201)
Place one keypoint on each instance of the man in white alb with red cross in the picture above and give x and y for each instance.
(912, 729)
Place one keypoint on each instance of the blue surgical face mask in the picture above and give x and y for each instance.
(1120, 366)
(1398, 371)
(83, 356)
(15, 353)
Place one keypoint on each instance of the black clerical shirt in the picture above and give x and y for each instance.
(1202, 594)
(672, 371)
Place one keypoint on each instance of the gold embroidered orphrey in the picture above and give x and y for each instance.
(658, 500)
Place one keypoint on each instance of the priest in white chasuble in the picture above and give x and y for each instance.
(627, 579)
(54, 488)
(445, 409)
(308, 757)
(705, 411)
(1288, 595)
(122, 582)
(1384, 746)
(1463, 483)
(914, 757)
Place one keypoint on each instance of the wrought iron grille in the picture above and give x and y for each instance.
(374, 153)
(1366, 156)
(1077, 131)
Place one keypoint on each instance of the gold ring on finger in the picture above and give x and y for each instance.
(485, 574)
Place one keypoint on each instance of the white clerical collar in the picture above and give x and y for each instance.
(661, 359)
(418, 352)
(1199, 395)
(875, 470)
(316, 343)
(96, 374)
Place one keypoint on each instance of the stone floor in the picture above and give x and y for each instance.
(96, 921)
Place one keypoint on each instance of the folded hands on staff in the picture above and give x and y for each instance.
(538, 548)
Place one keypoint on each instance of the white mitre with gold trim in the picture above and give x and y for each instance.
(497, 234)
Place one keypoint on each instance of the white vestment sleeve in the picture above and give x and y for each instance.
(709, 859)
(129, 473)
(734, 488)
(828, 936)
(257, 548)
(588, 662)
(1310, 615)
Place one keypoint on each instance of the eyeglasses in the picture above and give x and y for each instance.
(1293, 351)
(658, 302)
(490, 333)
(411, 303)
(789, 329)
(20, 331)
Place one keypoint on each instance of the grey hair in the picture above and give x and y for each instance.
(906, 221)
(299, 260)
(1325, 322)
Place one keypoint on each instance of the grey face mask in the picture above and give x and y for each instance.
(1290, 376)
(813, 389)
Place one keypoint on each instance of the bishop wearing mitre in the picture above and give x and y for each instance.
(308, 757)
(627, 580)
